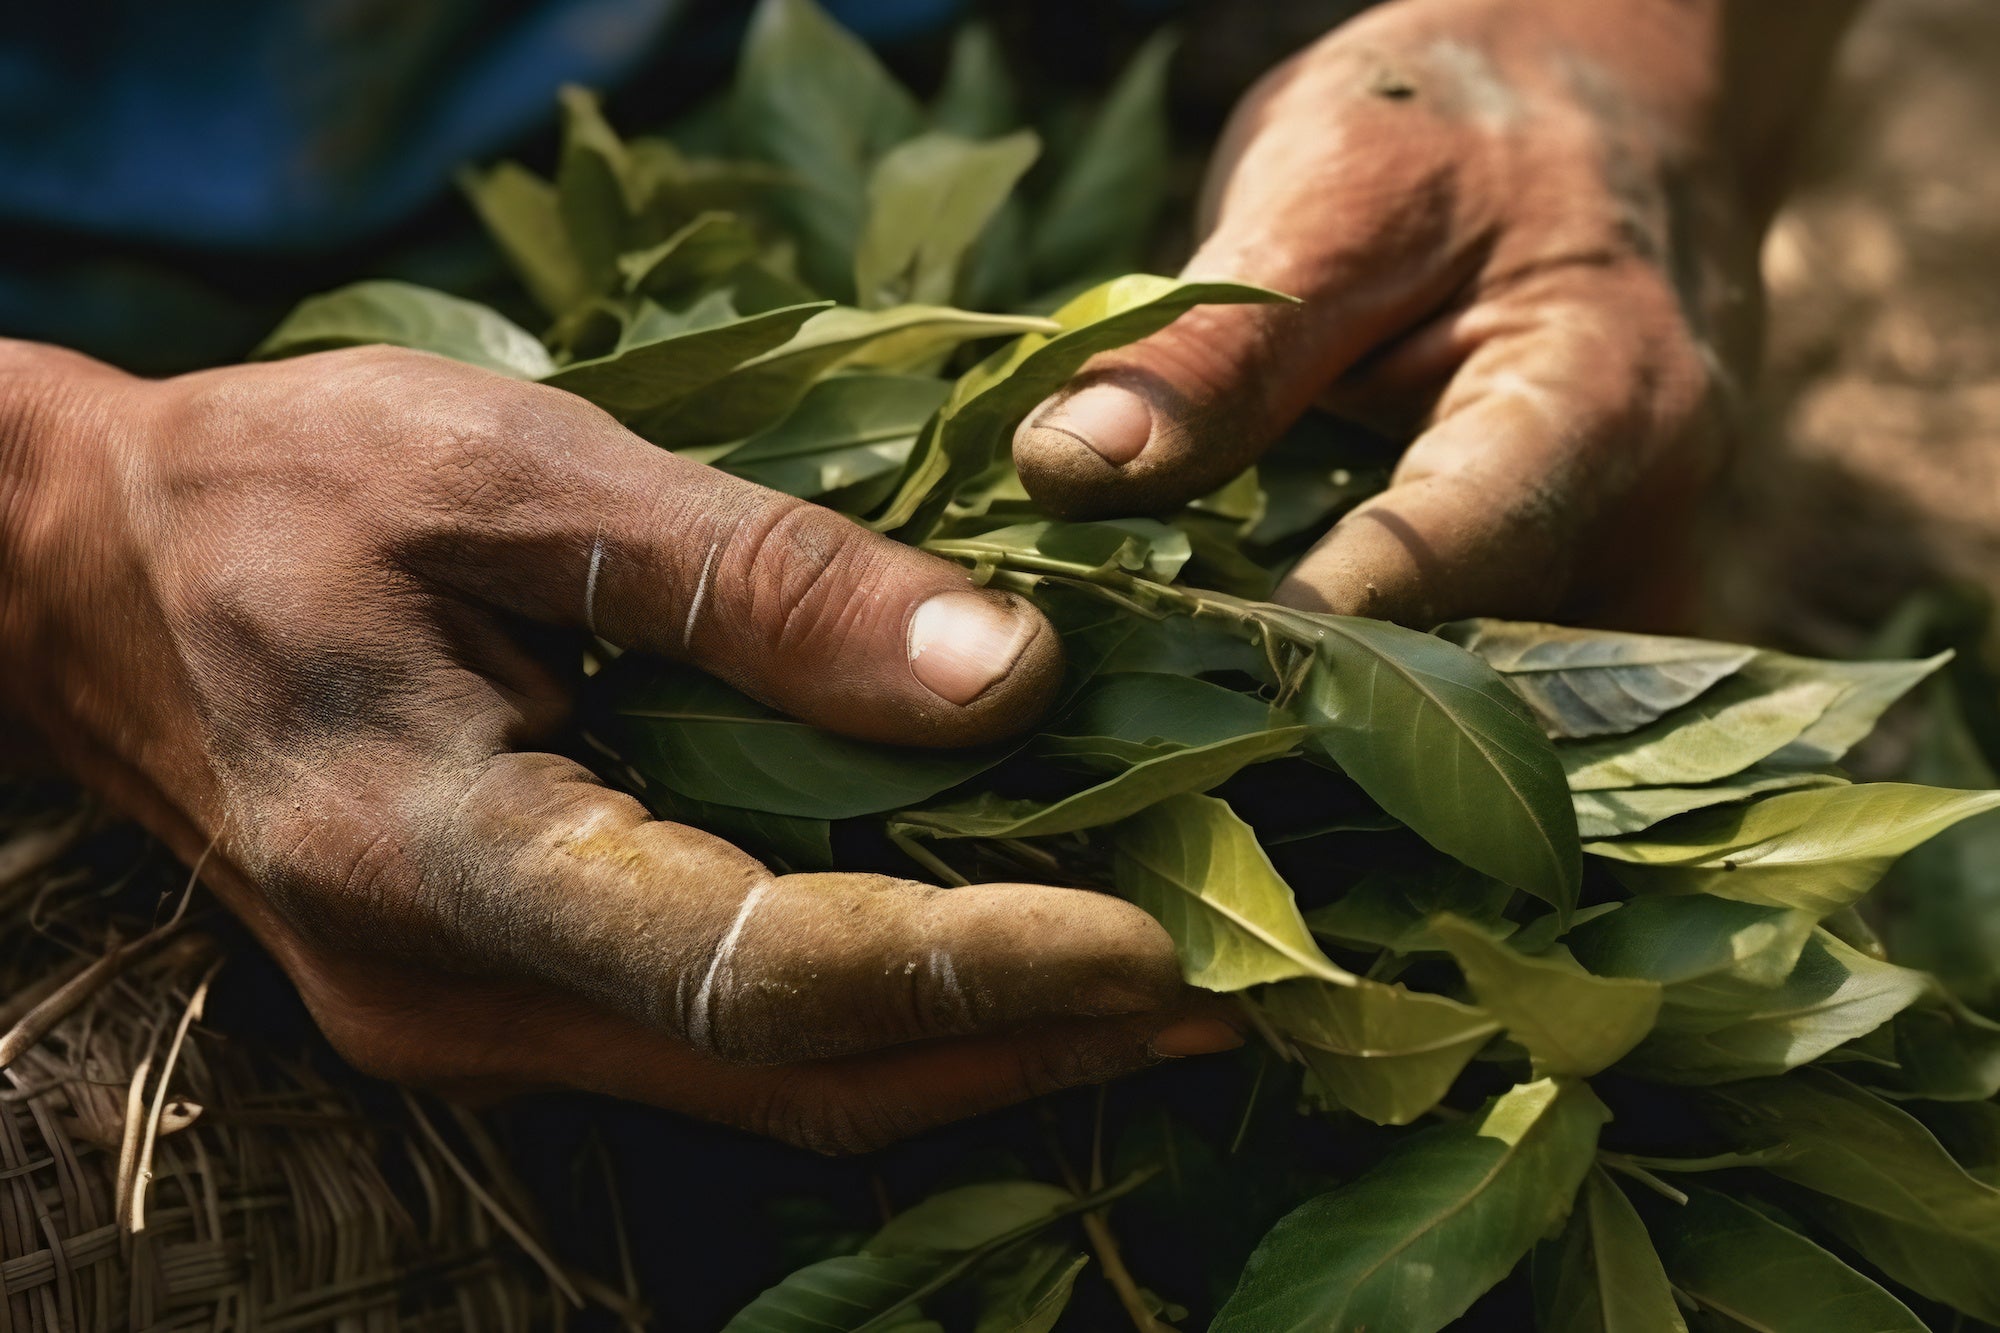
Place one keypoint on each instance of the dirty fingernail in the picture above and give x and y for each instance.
(963, 643)
(1197, 1036)
(1115, 423)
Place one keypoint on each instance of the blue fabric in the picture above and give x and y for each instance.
(295, 124)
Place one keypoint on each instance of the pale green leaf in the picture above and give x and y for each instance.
(1872, 688)
(1618, 812)
(977, 98)
(648, 372)
(1819, 850)
(1570, 1021)
(704, 251)
(929, 200)
(1431, 733)
(1718, 960)
(1583, 683)
(1602, 1275)
(520, 211)
(1197, 868)
(1385, 1053)
(1755, 1276)
(594, 191)
(1411, 1244)
(402, 314)
(845, 431)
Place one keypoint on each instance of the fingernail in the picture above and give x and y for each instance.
(962, 643)
(1114, 422)
(1196, 1036)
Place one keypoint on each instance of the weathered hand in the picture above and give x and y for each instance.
(1522, 235)
(315, 616)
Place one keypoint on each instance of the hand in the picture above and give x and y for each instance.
(1518, 237)
(309, 620)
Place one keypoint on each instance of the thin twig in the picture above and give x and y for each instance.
(1097, 1230)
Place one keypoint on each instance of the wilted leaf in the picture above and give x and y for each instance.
(845, 431)
(1411, 1244)
(1879, 1180)
(1819, 850)
(1748, 1272)
(1385, 1053)
(402, 314)
(1583, 683)
(1570, 1021)
(929, 199)
(1833, 995)
(1197, 868)
(696, 736)
(1602, 1275)
(1145, 784)
(1431, 733)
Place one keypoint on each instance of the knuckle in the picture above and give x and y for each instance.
(810, 575)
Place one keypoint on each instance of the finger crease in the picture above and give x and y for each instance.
(701, 1021)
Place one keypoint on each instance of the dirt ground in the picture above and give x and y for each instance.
(1873, 467)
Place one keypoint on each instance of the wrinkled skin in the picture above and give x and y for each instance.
(1523, 235)
(311, 622)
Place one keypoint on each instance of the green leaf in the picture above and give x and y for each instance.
(1717, 959)
(969, 1217)
(1621, 811)
(1194, 769)
(1101, 213)
(812, 99)
(845, 431)
(593, 189)
(703, 252)
(1393, 907)
(1198, 869)
(838, 1295)
(1431, 733)
(405, 315)
(1602, 1275)
(1032, 1297)
(1832, 996)
(1570, 1021)
(648, 373)
(694, 735)
(1128, 717)
(1411, 1244)
(1872, 688)
(765, 387)
(1764, 707)
(520, 211)
(1385, 1053)
(1583, 683)
(977, 99)
(990, 399)
(929, 200)
(1819, 850)
(1143, 546)
(1944, 1051)
(1877, 1179)
(1750, 1273)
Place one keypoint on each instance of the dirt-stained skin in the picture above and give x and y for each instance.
(304, 619)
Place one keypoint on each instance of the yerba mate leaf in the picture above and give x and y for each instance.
(647, 373)
(990, 399)
(1746, 1271)
(1431, 733)
(846, 430)
(694, 735)
(1124, 718)
(1818, 850)
(1194, 769)
(1621, 811)
(969, 1216)
(1602, 1274)
(1107, 196)
(760, 392)
(1197, 868)
(1392, 907)
(1716, 959)
(1872, 688)
(594, 189)
(1570, 1021)
(840, 1295)
(811, 98)
(929, 199)
(402, 314)
(1878, 1180)
(704, 251)
(1385, 1053)
(1412, 1243)
(520, 211)
(977, 98)
(1945, 1051)
(1750, 716)
(1030, 1296)
(1833, 995)
(1584, 683)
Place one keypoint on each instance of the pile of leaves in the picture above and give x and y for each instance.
(1577, 908)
